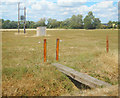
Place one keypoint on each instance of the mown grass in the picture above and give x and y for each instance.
(25, 73)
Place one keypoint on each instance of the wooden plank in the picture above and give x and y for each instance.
(81, 77)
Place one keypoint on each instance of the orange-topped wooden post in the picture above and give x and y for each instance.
(57, 49)
(45, 50)
(107, 44)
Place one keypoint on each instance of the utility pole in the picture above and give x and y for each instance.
(18, 16)
(21, 18)
(24, 19)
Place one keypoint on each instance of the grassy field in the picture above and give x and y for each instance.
(25, 73)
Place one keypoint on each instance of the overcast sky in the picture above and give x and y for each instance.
(60, 9)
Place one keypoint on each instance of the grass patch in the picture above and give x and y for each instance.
(25, 73)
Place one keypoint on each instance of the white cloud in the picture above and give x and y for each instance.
(42, 5)
(65, 13)
(102, 5)
(63, 9)
(105, 10)
(70, 2)
(101, 0)
(11, 1)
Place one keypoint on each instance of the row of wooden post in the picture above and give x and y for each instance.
(45, 49)
(57, 48)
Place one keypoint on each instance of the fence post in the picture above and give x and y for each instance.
(107, 44)
(57, 49)
(45, 50)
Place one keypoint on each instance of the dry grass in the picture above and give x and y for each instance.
(108, 67)
(108, 91)
(38, 80)
(25, 73)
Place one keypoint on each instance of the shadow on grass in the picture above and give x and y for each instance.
(78, 84)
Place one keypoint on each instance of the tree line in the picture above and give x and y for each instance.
(75, 22)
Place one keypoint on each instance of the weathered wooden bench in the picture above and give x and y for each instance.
(81, 77)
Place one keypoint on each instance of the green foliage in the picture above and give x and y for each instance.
(97, 23)
(0, 23)
(30, 24)
(65, 24)
(118, 25)
(90, 22)
(75, 22)
(16, 72)
(112, 24)
(53, 23)
(41, 22)
(103, 26)
(6, 25)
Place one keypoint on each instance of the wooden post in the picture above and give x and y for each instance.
(18, 17)
(107, 44)
(57, 49)
(45, 50)
(24, 20)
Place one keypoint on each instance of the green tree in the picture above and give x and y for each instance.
(0, 23)
(53, 23)
(103, 26)
(97, 23)
(89, 21)
(6, 24)
(76, 22)
(13, 25)
(118, 25)
(41, 22)
(110, 24)
(30, 24)
(65, 24)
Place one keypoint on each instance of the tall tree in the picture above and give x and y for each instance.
(53, 23)
(76, 22)
(6, 24)
(13, 24)
(88, 21)
(110, 24)
(97, 23)
(65, 24)
(41, 22)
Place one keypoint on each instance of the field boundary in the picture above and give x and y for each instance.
(52, 29)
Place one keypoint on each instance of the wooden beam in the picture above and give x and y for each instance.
(81, 77)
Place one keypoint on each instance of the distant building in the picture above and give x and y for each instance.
(114, 25)
(105, 24)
